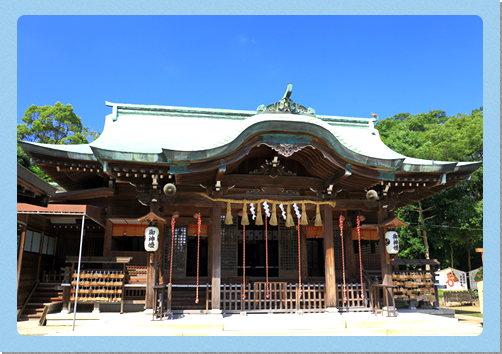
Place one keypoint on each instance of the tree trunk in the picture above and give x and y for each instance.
(451, 248)
(424, 233)
(469, 259)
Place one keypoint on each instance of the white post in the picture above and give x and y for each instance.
(78, 271)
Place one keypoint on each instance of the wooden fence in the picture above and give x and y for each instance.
(284, 297)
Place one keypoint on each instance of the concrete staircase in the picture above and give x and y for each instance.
(45, 293)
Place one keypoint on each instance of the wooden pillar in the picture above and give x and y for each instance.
(348, 244)
(40, 250)
(384, 256)
(160, 252)
(107, 242)
(303, 252)
(216, 257)
(210, 245)
(329, 259)
(151, 263)
(21, 249)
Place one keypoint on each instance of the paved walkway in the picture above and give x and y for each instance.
(341, 324)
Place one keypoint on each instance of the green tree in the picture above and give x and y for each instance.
(451, 221)
(56, 124)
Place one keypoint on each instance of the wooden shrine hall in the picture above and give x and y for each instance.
(274, 209)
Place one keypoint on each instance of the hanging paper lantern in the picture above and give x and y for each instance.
(392, 242)
(151, 239)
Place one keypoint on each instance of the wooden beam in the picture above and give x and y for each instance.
(241, 180)
(329, 259)
(339, 176)
(216, 256)
(84, 194)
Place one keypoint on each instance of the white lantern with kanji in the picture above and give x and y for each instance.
(151, 239)
(392, 242)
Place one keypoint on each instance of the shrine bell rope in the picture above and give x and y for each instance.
(343, 261)
(299, 262)
(266, 251)
(198, 247)
(360, 259)
(173, 221)
(243, 261)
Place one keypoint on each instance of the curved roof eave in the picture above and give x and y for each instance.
(75, 152)
(269, 131)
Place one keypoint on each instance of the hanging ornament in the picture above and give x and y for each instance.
(318, 220)
(289, 219)
(267, 208)
(259, 219)
(297, 210)
(360, 258)
(305, 219)
(228, 217)
(282, 210)
(245, 220)
(198, 248)
(299, 262)
(251, 208)
(343, 260)
(273, 219)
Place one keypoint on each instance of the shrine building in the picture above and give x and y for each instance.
(279, 209)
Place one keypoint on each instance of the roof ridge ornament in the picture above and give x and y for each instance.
(286, 105)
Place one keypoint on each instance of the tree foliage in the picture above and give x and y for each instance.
(456, 220)
(56, 124)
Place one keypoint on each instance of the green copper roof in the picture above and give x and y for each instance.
(143, 133)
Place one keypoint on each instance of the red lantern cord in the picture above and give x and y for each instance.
(243, 261)
(360, 259)
(266, 251)
(299, 262)
(198, 246)
(173, 221)
(343, 261)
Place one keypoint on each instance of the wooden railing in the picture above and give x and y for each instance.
(355, 301)
(28, 299)
(284, 297)
(52, 276)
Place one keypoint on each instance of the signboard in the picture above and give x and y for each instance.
(457, 279)
(192, 230)
(315, 232)
(366, 234)
(128, 230)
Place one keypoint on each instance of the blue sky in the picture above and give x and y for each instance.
(339, 65)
